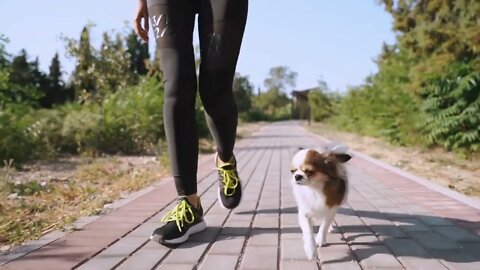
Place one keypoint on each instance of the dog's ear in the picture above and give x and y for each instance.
(340, 157)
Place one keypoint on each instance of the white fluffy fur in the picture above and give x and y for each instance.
(312, 207)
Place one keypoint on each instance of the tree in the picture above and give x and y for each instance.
(270, 102)
(4, 73)
(83, 80)
(242, 92)
(440, 40)
(99, 72)
(25, 80)
(139, 54)
(113, 66)
(320, 102)
(280, 78)
(56, 92)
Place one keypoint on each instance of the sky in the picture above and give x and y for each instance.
(335, 41)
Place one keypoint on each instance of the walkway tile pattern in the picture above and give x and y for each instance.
(389, 222)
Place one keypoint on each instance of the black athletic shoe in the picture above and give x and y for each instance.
(230, 189)
(181, 222)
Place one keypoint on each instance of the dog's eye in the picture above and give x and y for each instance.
(293, 170)
(308, 173)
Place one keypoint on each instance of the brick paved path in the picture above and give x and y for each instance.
(389, 222)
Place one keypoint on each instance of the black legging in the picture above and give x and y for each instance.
(221, 25)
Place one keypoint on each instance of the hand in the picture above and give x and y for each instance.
(142, 13)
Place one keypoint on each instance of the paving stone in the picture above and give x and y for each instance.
(295, 265)
(434, 220)
(114, 254)
(421, 263)
(227, 245)
(65, 257)
(189, 252)
(457, 259)
(462, 263)
(219, 262)
(144, 230)
(473, 248)
(236, 227)
(145, 258)
(411, 225)
(351, 265)
(455, 233)
(266, 221)
(207, 236)
(387, 231)
(215, 220)
(259, 258)
(336, 254)
(263, 237)
(375, 257)
(434, 241)
(360, 234)
(292, 249)
(406, 247)
(174, 267)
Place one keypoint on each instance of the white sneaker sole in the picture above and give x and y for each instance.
(192, 230)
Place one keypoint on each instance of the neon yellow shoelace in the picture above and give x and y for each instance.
(179, 214)
(230, 179)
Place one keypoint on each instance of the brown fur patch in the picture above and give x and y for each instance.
(328, 170)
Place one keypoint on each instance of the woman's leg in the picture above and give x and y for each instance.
(172, 22)
(221, 27)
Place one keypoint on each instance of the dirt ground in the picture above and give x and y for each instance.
(437, 165)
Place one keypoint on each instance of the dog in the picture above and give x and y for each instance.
(320, 186)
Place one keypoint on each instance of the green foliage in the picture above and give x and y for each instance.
(271, 105)
(321, 102)
(382, 107)
(24, 81)
(426, 90)
(99, 72)
(280, 78)
(452, 109)
(132, 119)
(320, 105)
(25, 189)
(15, 142)
(129, 121)
(139, 55)
(56, 92)
(242, 93)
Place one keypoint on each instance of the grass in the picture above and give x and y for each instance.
(34, 207)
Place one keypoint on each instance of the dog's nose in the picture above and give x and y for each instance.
(298, 177)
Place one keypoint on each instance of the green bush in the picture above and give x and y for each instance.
(15, 142)
(452, 108)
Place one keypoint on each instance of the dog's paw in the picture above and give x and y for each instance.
(310, 251)
(332, 229)
(320, 241)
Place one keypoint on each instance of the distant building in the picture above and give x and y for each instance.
(300, 106)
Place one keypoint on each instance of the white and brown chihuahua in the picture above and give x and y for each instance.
(320, 186)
